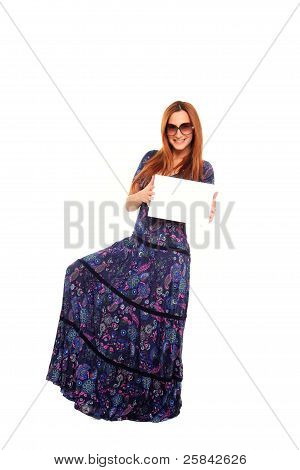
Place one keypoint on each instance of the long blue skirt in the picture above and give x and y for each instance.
(118, 348)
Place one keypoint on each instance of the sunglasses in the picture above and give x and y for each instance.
(185, 128)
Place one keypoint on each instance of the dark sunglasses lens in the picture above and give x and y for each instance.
(186, 128)
(171, 129)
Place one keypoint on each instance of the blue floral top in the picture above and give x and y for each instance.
(164, 232)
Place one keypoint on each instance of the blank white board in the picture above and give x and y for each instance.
(181, 200)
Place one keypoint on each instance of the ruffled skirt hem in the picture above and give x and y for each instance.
(103, 390)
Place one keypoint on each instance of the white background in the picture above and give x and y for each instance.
(83, 88)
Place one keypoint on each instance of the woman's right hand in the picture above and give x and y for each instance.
(147, 193)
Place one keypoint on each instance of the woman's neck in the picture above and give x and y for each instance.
(179, 155)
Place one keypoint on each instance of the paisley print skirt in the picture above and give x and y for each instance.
(118, 348)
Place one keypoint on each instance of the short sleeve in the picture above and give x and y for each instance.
(208, 173)
(145, 158)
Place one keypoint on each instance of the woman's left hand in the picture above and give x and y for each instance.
(213, 207)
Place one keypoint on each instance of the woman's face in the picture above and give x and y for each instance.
(179, 141)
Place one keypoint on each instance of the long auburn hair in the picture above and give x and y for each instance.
(162, 161)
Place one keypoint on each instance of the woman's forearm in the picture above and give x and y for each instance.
(133, 202)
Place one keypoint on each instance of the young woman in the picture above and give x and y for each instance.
(118, 349)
